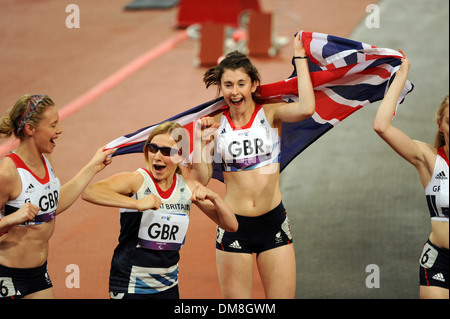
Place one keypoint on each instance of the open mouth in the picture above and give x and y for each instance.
(52, 141)
(159, 168)
(237, 102)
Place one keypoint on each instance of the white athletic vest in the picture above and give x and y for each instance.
(165, 228)
(255, 145)
(42, 192)
(437, 190)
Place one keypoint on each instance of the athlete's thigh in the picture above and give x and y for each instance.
(277, 269)
(235, 271)
(433, 292)
(48, 293)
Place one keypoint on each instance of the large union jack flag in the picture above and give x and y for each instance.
(346, 76)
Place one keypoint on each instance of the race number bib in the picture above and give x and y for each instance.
(160, 230)
(48, 202)
(428, 257)
(247, 144)
(7, 288)
(47, 198)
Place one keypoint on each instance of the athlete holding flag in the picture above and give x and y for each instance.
(31, 196)
(248, 145)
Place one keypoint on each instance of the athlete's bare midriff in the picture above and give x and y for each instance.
(253, 192)
(26, 246)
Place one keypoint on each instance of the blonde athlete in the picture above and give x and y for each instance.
(31, 196)
(155, 204)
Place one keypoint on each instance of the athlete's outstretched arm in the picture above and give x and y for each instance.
(71, 190)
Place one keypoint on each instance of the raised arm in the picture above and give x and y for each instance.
(418, 153)
(202, 161)
(306, 105)
(409, 149)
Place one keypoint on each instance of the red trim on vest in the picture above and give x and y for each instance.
(441, 153)
(163, 194)
(246, 126)
(20, 164)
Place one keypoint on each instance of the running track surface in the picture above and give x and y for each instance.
(118, 72)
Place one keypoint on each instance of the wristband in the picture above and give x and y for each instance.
(300, 57)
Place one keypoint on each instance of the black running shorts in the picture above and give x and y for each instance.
(257, 234)
(434, 266)
(16, 283)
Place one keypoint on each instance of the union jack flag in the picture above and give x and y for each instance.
(346, 76)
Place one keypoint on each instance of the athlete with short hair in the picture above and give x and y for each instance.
(155, 205)
(31, 196)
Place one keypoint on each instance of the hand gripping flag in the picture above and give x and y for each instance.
(346, 76)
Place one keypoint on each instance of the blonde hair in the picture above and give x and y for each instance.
(28, 109)
(179, 135)
(439, 139)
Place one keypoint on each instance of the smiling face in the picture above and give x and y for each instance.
(47, 131)
(237, 89)
(163, 167)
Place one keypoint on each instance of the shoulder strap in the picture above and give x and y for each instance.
(441, 153)
(21, 164)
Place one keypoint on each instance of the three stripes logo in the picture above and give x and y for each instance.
(439, 277)
(29, 189)
(441, 175)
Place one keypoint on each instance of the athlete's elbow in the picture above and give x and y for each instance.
(201, 176)
(308, 108)
(379, 127)
(302, 114)
(230, 227)
(311, 109)
(86, 194)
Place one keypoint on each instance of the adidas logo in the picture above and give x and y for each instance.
(147, 191)
(29, 189)
(439, 277)
(441, 175)
(235, 245)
